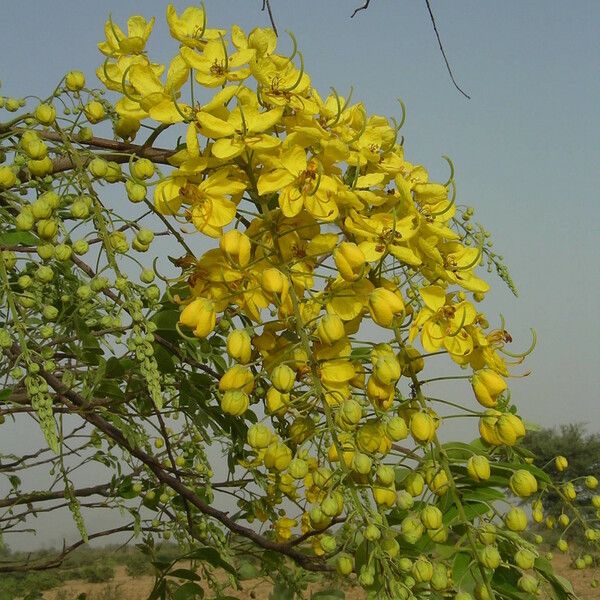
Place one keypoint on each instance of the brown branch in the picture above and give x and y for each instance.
(363, 7)
(72, 398)
(56, 561)
(267, 4)
(32, 497)
(437, 35)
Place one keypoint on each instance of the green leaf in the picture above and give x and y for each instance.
(185, 574)
(281, 591)
(166, 319)
(481, 494)
(247, 570)
(17, 238)
(460, 568)
(188, 590)
(330, 594)
(5, 394)
(212, 557)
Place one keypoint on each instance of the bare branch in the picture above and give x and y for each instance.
(437, 35)
(57, 560)
(73, 399)
(267, 4)
(363, 7)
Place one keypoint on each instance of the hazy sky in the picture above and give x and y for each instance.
(526, 146)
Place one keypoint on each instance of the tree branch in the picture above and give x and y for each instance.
(437, 35)
(73, 398)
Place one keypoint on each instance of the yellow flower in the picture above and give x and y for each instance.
(210, 208)
(190, 27)
(283, 528)
(199, 315)
(301, 184)
(278, 456)
(214, 67)
(149, 97)
(442, 322)
(487, 386)
(118, 44)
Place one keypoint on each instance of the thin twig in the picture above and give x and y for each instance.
(267, 5)
(437, 35)
(363, 7)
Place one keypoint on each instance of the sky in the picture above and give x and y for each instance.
(526, 146)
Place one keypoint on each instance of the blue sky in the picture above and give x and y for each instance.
(526, 147)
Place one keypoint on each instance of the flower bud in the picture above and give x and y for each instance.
(330, 329)
(384, 306)
(344, 564)
(489, 557)
(390, 546)
(237, 378)
(40, 168)
(523, 483)
(234, 402)
(569, 491)
(422, 427)
(396, 429)
(200, 315)
(561, 463)
(414, 484)
(525, 559)
(94, 111)
(350, 261)
(45, 114)
(273, 281)
(350, 411)
(411, 361)
(361, 463)
(98, 167)
(126, 128)
(591, 483)
(136, 192)
(487, 534)
(283, 378)
(385, 475)
(529, 584)
(431, 517)
(516, 519)
(259, 436)
(277, 456)
(478, 468)
(237, 247)
(404, 501)
(387, 369)
(74, 81)
(487, 386)
(239, 345)
(384, 496)
(422, 570)
(8, 177)
(142, 169)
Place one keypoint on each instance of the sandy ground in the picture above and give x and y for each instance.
(124, 587)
